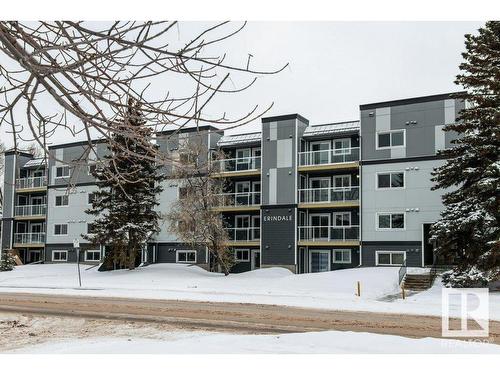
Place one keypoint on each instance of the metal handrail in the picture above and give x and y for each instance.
(244, 234)
(328, 233)
(248, 198)
(402, 272)
(30, 210)
(29, 237)
(31, 182)
(330, 156)
(247, 163)
(329, 194)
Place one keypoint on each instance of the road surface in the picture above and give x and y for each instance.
(238, 317)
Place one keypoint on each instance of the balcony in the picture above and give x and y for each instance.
(244, 236)
(245, 166)
(341, 158)
(329, 197)
(29, 239)
(246, 201)
(329, 235)
(35, 211)
(31, 184)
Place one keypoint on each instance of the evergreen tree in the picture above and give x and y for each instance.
(469, 229)
(7, 262)
(128, 181)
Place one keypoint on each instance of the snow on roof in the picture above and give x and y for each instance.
(229, 140)
(34, 163)
(335, 128)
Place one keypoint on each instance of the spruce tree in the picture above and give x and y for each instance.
(469, 229)
(128, 182)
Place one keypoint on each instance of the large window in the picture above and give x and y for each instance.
(92, 255)
(390, 258)
(342, 256)
(62, 200)
(91, 198)
(60, 229)
(186, 256)
(242, 255)
(388, 221)
(90, 228)
(62, 171)
(391, 180)
(395, 138)
(60, 256)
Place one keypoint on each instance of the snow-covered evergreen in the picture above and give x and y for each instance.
(128, 192)
(469, 230)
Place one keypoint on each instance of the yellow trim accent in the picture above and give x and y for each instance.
(28, 245)
(329, 204)
(328, 243)
(243, 243)
(255, 172)
(34, 217)
(237, 208)
(323, 167)
(29, 190)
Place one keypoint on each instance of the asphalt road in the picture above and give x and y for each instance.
(237, 317)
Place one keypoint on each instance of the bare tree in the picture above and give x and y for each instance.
(77, 77)
(193, 218)
(2, 166)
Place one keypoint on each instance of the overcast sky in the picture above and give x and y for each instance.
(336, 66)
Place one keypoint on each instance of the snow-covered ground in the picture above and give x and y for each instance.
(329, 290)
(300, 343)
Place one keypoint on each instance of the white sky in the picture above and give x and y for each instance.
(336, 66)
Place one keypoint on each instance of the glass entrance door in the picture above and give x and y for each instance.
(319, 260)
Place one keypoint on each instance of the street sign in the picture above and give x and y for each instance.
(76, 243)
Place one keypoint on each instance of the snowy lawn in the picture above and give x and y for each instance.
(329, 290)
(300, 343)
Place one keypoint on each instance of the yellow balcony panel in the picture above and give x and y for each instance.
(342, 204)
(243, 243)
(35, 217)
(329, 167)
(237, 208)
(329, 243)
(253, 172)
(27, 244)
(31, 189)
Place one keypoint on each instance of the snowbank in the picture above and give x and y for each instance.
(329, 290)
(299, 343)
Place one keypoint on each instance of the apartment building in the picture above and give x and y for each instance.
(310, 198)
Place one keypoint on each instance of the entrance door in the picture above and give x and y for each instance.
(34, 256)
(428, 245)
(255, 259)
(319, 226)
(319, 260)
(320, 189)
(242, 193)
(320, 152)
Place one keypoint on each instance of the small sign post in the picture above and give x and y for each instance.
(76, 245)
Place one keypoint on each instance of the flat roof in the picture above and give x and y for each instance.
(418, 99)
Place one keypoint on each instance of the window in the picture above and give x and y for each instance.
(60, 229)
(92, 256)
(62, 171)
(391, 180)
(91, 198)
(60, 256)
(390, 258)
(341, 219)
(342, 256)
(92, 169)
(62, 200)
(90, 228)
(391, 139)
(186, 256)
(242, 255)
(389, 221)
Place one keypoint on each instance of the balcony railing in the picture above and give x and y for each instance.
(249, 163)
(250, 198)
(31, 182)
(323, 157)
(244, 234)
(329, 233)
(29, 238)
(31, 210)
(325, 195)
